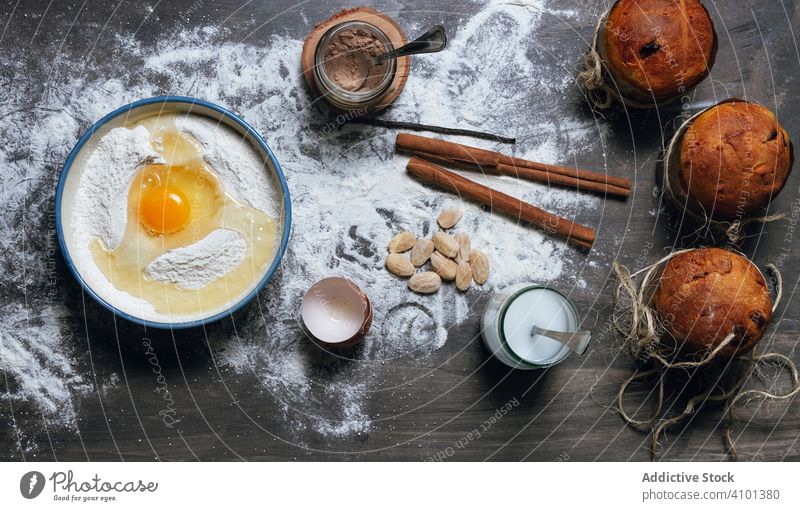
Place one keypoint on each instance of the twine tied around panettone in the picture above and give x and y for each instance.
(600, 95)
(645, 339)
(601, 91)
(733, 231)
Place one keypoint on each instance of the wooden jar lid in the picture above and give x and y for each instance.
(373, 17)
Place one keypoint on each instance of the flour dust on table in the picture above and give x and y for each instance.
(350, 195)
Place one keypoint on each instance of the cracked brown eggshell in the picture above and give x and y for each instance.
(336, 312)
(735, 157)
(705, 294)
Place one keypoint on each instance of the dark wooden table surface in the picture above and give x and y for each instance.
(437, 402)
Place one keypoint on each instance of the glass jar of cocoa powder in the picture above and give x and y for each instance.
(342, 68)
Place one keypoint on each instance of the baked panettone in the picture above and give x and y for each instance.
(705, 294)
(734, 158)
(658, 48)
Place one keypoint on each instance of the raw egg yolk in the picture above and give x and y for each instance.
(164, 209)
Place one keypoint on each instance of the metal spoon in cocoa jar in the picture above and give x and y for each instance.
(432, 41)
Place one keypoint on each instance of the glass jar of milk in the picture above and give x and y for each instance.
(512, 313)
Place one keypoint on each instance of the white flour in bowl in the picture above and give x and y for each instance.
(100, 208)
(242, 171)
(196, 265)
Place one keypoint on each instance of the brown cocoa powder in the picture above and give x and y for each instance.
(342, 57)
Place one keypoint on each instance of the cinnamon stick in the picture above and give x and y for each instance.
(461, 153)
(561, 180)
(587, 175)
(531, 175)
(458, 152)
(499, 201)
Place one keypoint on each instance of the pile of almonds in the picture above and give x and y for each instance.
(451, 257)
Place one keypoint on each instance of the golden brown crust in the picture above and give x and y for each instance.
(705, 294)
(734, 158)
(658, 47)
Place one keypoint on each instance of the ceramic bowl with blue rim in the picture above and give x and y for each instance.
(69, 199)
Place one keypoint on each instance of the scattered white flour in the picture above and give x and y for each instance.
(196, 265)
(350, 193)
(42, 369)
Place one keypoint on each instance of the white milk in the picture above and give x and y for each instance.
(541, 307)
(510, 316)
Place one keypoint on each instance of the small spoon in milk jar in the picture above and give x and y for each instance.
(576, 341)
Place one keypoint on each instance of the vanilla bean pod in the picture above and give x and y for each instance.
(371, 121)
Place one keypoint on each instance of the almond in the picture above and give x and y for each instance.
(400, 265)
(402, 242)
(449, 217)
(445, 244)
(426, 282)
(421, 252)
(446, 268)
(464, 246)
(463, 276)
(480, 266)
